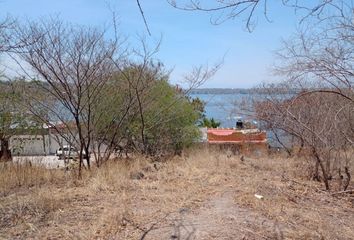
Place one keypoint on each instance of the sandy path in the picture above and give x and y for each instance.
(218, 218)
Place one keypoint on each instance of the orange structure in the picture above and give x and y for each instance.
(236, 136)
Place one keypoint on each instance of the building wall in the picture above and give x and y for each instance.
(35, 144)
(236, 136)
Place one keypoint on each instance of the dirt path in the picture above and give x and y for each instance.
(218, 218)
(204, 197)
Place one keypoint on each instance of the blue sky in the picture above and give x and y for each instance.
(188, 38)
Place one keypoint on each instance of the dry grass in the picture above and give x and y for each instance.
(15, 176)
(205, 194)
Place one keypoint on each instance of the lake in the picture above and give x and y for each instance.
(226, 108)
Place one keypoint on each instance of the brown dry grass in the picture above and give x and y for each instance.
(206, 194)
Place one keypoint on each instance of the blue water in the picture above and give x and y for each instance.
(227, 108)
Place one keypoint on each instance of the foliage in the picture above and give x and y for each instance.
(171, 119)
(210, 123)
(199, 106)
(144, 112)
(203, 121)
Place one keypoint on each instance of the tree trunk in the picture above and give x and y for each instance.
(302, 143)
(323, 169)
(346, 170)
(5, 153)
(87, 157)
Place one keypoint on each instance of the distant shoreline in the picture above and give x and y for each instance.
(239, 91)
(221, 91)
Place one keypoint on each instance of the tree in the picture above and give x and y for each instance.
(203, 121)
(312, 120)
(148, 114)
(209, 123)
(322, 55)
(232, 9)
(73, 64)
(317, 107)
(199, 106)
(111, 116)
(124, 100)
(157, 108)
(171, 120)
(6, 43)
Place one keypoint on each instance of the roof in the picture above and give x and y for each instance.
(236, 136)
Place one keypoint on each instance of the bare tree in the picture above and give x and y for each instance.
(247, 9)
(6, 26)
(72, 64)
(8, 41)
(312, 120)
(317, 64)
(322, 52)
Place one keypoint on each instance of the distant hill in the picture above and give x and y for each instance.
(242, 91)
(221, 91)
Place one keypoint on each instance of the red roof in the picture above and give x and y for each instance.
(236, 136)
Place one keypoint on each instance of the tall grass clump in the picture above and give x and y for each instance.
(26, 175)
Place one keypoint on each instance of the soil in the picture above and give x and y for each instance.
(204, 196)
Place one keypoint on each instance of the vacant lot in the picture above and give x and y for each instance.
(203, 195)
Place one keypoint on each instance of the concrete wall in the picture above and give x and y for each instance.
(38, 145)
(35, 144)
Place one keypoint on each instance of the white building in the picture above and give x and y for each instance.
(33, 145)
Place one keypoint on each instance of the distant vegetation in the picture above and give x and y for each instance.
(220, 91)
(245, 91)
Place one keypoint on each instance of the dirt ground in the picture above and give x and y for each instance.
(205, 194)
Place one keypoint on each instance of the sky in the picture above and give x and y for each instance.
(188, 38)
